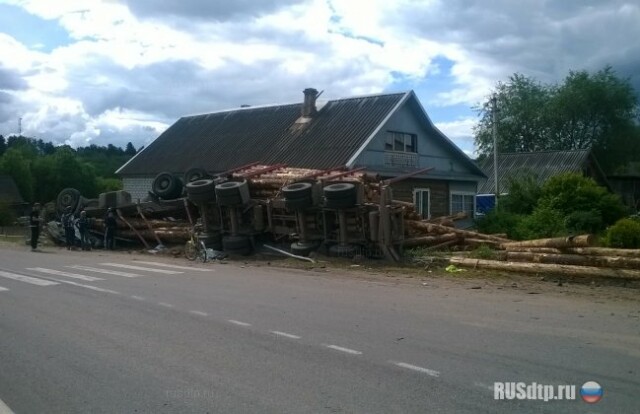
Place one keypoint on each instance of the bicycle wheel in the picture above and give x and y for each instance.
(190, 251)
(203, 252)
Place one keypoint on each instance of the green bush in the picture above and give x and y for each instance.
(483, 252)
(108, 184)
(571, 193)
(543, 222)
(584, 222)
(625, 233)
(500, 221)
(524, 193)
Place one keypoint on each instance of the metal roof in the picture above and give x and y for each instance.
(543, 165)
(223, 140)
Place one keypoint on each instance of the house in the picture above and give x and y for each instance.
(11, 197)
(389, 134)
(541, 165)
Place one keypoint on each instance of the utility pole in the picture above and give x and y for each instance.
(19, 127)
(494, 114)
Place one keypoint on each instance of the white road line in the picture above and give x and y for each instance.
(137, 297)
(417, 368)
(4, 408)
(60, 273)
(197, 269)
(148, 269)
(342, 349)
(233, 321)
(27, 279)
(199, 313)
(97, 289)
(286, 335)
(166, 305)
(105, 271)
(2, 289)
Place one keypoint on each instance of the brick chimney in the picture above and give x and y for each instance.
(309, 104)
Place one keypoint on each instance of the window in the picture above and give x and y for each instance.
(401, 142)
(463, 202)
(422, 201)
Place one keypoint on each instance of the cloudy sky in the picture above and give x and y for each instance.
(113, 71)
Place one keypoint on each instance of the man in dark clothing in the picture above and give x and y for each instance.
(69, 231)
(83, 228)
(34, 225)
(110, 225)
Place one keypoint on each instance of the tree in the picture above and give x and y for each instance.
(130, 150)
(598, 111)
(3, 145)
(15, 164)
(522, 127)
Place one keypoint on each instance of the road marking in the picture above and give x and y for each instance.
(199, 313)
(286, 335)
(60, 273)
(198, 269)
(2, 289)
(342, 349)
(417, 368)
(137, 297)
(105, 271)
(148, 269)
(4, 408)
(166, 305)
(27, 279)
(97, 289)
(239, 323)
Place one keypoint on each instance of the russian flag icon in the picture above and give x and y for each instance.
(591, 392)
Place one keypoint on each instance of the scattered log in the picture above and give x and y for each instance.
(479, 242)
(557, 269)
(584, 240)
(437, 228)
(428, 240)
(574, 259)
(590, 251)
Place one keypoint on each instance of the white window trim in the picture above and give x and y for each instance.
(428, 190)
(464, 193)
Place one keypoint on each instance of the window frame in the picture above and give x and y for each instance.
(419, 206)
(463, 194)
(392, 136)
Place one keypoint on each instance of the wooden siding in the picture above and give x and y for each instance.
(439, 193)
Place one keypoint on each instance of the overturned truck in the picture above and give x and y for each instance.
(343, 212)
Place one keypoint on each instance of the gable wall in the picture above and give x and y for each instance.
(432, 150)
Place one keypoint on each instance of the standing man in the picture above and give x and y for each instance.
(83, 228)
(69, 231)
(110, 225)
(34, 225)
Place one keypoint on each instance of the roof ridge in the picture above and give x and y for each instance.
(273, 105)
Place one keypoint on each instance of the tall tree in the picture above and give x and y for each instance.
(130, 149)
(598, 111)
(3, 145)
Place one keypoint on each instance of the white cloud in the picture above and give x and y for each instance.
(134, 67)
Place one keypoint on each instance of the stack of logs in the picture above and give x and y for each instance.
(170, 232)
(568, 256)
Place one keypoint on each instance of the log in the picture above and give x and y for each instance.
(428, 240)
(436, 228)
(556, 269)
(591, 251)
(584, 240)
(575, 259)
(479, 242)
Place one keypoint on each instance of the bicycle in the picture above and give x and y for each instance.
(195, 248)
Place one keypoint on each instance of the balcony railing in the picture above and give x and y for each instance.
(400, 159)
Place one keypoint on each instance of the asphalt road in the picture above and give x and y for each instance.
(84, 332)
